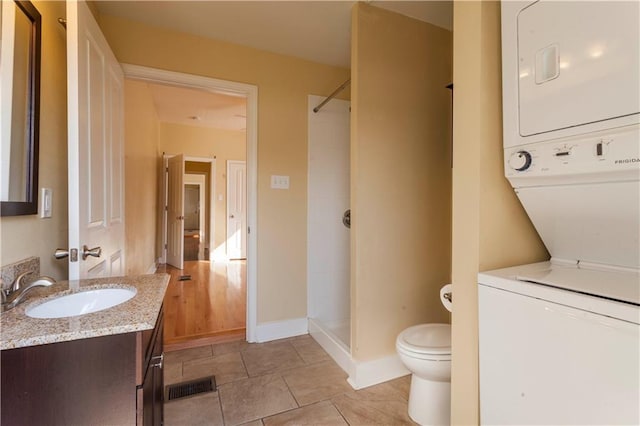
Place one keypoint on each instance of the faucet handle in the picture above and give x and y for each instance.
(17, 284)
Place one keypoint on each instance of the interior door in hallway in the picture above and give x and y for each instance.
(175, 212)
(95, 149)
(191, 207)
(236, 209)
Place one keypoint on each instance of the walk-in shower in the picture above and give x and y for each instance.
(328, 239)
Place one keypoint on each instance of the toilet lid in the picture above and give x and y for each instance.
(432, 339)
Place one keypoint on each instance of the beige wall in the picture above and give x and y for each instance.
(400, 176)
(24, 236)
(283, 85)
(141, 187)
(490, 228)
(203, 142)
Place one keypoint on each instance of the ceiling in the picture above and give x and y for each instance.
(198, 107)
(318, 31)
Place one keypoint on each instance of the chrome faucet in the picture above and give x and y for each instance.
(13, 295)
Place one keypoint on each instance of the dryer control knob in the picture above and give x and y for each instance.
(520, 161)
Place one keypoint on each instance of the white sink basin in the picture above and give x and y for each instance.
(84, 302)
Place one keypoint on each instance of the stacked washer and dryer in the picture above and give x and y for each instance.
(560, 340)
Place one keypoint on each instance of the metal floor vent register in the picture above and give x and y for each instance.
(193, 387)
(184, 278)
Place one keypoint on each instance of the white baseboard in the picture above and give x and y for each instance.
(369, 373)
(336, 349)
(274, 330)
(361, 374)
(218, 258)
(153, 268)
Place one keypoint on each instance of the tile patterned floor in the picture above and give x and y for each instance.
(284, 382)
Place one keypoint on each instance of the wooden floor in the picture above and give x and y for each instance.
(208, 308)
(191, 246)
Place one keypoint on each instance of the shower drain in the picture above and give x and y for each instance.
(193, 387)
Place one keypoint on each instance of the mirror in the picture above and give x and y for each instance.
(20, 108)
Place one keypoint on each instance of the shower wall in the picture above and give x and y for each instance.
(328, 240)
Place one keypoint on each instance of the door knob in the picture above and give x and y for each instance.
(346, 218)
(62, 253)
(95, 252)
(180, 217)
(231, 216)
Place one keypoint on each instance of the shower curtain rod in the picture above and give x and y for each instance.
(331, 96)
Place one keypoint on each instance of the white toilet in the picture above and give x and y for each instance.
(425, 350)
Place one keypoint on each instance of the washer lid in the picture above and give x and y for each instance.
(615, 285)
(427, 338)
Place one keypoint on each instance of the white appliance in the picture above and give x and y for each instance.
(560, 340)
(555, 350)
(425, 350)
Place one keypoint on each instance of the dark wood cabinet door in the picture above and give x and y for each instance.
(147, 400)
(158, 382)
(88, 381)
(153, 384)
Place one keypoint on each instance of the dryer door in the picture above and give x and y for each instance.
(578, 63)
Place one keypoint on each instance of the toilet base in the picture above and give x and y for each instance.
(430, 402)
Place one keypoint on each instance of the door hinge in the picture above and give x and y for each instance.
(166, 169)
(248, 229)
(166, 208)
(165, 247)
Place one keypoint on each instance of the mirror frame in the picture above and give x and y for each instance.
(30, 206)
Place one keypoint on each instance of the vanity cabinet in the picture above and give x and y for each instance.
(115, 379)
(150, 391)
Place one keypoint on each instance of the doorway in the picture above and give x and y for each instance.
(248, 92)
(181, 231)
(206, 298)
(195, 247)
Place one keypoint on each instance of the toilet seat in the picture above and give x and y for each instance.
(429, 341)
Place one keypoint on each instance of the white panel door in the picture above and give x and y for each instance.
(96, 135)
(236, 210)
(175, 212)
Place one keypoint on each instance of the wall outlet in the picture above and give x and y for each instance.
(279, 182)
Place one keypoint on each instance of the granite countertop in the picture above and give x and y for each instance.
(140, 313)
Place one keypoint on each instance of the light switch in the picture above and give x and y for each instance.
(46, 202)
(279, 182)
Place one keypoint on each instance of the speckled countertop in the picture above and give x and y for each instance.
(17, 330)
